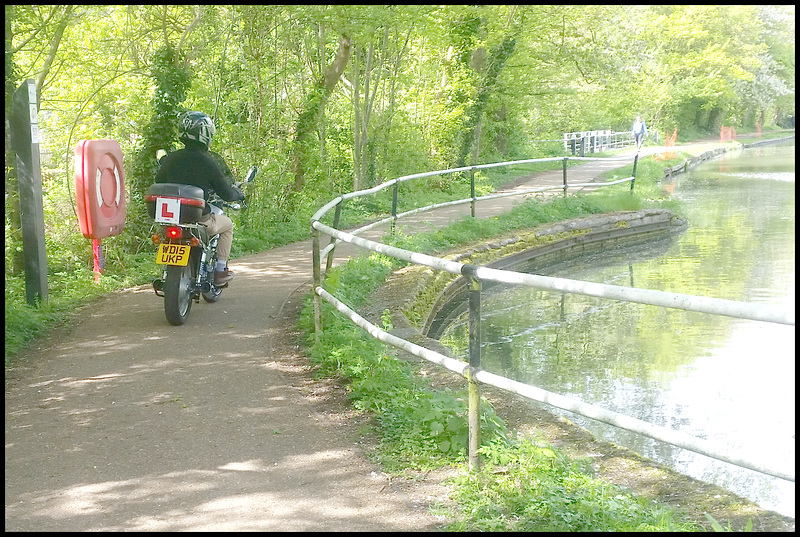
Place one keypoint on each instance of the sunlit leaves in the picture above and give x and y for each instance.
(573, 67)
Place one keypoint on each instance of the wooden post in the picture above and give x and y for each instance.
(474, 363)
(394, 205)
(472, 189)
(336, 217)
(24, 138)
(315, 255)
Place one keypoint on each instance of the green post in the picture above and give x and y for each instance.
(565, 175)
(24, 140)
(635, 163)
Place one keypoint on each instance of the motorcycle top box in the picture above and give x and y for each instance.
(175, 203)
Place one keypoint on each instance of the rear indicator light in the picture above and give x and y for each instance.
(173, 232)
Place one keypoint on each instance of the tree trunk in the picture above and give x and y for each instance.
(357, 153)
(51, 54)
(308, 121)
(497, 60)
(392, 97)
(361, 156)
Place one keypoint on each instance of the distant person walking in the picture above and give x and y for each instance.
(639, 131)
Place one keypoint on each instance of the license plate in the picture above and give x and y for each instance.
(173, 254)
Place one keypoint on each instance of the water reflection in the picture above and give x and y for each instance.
(714, 377)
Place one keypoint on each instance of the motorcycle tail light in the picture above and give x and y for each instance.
(173, 232)
(194, 241)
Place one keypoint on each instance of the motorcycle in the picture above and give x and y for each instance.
(187, 253)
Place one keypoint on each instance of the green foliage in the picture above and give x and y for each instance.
(443, 79)
(172, 81)
(496, 61)
(426, 428)
(530, 486)
(717, 527)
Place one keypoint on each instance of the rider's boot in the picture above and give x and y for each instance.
(222, 277)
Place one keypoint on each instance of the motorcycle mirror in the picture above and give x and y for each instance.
(251, 174)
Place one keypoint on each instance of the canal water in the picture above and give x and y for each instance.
(719, 378)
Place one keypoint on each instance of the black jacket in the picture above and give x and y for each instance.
(195, 165)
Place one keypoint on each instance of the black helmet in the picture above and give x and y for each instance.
(196, 126)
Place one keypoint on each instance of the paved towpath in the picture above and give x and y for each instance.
(123, 422)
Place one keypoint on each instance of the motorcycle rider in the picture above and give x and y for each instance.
(196, 165)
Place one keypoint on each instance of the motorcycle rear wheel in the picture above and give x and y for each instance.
(178, 294)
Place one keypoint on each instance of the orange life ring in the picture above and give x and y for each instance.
(99, 188)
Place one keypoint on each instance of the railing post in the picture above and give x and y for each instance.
(583, 145)
(474, 364)
(472, 189)
(317, 283)
(394, 205)
(336, 215)
(565, 175)
(635, 163)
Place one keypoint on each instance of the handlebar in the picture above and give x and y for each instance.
(219, 202)
(235, 205)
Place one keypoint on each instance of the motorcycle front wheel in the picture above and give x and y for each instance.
(178, 294)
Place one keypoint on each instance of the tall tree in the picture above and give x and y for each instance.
(313, 110)
(55, 41)
(703, 51)
(496, 61)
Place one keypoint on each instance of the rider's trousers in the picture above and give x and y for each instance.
(219, 223)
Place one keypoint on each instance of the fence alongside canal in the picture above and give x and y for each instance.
(580, 143)
(478, 275)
